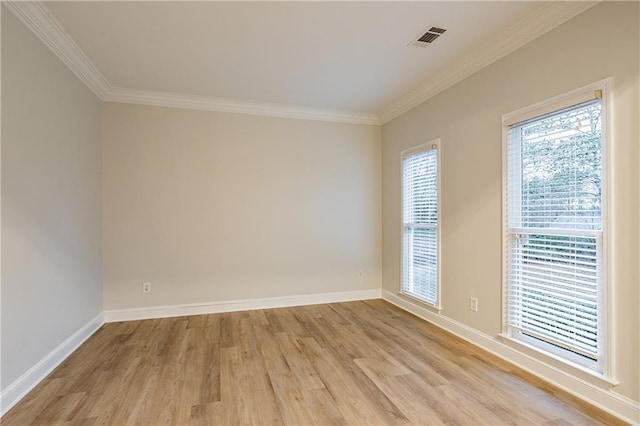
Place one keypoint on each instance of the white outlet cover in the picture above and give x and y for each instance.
(473, 304)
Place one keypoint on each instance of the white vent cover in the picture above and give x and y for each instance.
(427, 37)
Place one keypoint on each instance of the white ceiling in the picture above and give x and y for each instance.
(350, 56)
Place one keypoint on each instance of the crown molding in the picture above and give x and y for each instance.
(36, 16)
(174, 100)
(545, 19)
(45, 26)
(40, 21)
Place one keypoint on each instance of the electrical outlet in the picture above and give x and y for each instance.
(146, 287)
(473, 304)
(361, 274)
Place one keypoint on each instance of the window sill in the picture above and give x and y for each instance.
(423, 304)
(554, 361)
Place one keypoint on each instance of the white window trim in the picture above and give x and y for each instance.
(428, 146)
(607, 330)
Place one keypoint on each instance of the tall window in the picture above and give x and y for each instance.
(554, 261)
(420, 236)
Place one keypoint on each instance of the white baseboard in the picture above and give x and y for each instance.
(23, 384)
(237, 305)
(612, 402)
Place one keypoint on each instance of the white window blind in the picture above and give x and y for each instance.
(420, 224)
(554, 263)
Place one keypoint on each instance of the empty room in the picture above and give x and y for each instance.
(320, 212)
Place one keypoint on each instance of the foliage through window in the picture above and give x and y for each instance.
(420, 223)
(554, 230)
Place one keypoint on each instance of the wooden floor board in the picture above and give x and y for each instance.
(339, 364)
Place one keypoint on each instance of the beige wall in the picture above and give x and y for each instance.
(213, 206)
(467, 118)
(51, 201)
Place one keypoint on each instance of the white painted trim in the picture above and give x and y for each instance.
(606, 399)
(174, 100)
(545, 19)
(13, 393)
(41, 22)
(237, 305)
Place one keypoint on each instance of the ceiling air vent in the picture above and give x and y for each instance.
(428, 37)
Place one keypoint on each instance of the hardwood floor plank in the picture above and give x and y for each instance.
(210, 371)
(143, 406)
(255, 383)
(114, 402)
(307, 376)
(323, 407)
(340, 364)
(416, 409)
(81, 422)
(292, 324)
(229, 329)
(270, 349)
(356, 409)
(60, 409)
(233, 402)
(292, 404)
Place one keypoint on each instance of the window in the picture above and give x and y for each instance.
(420, 217)
(554, 227)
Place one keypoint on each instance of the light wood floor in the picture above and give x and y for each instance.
(344, 363)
